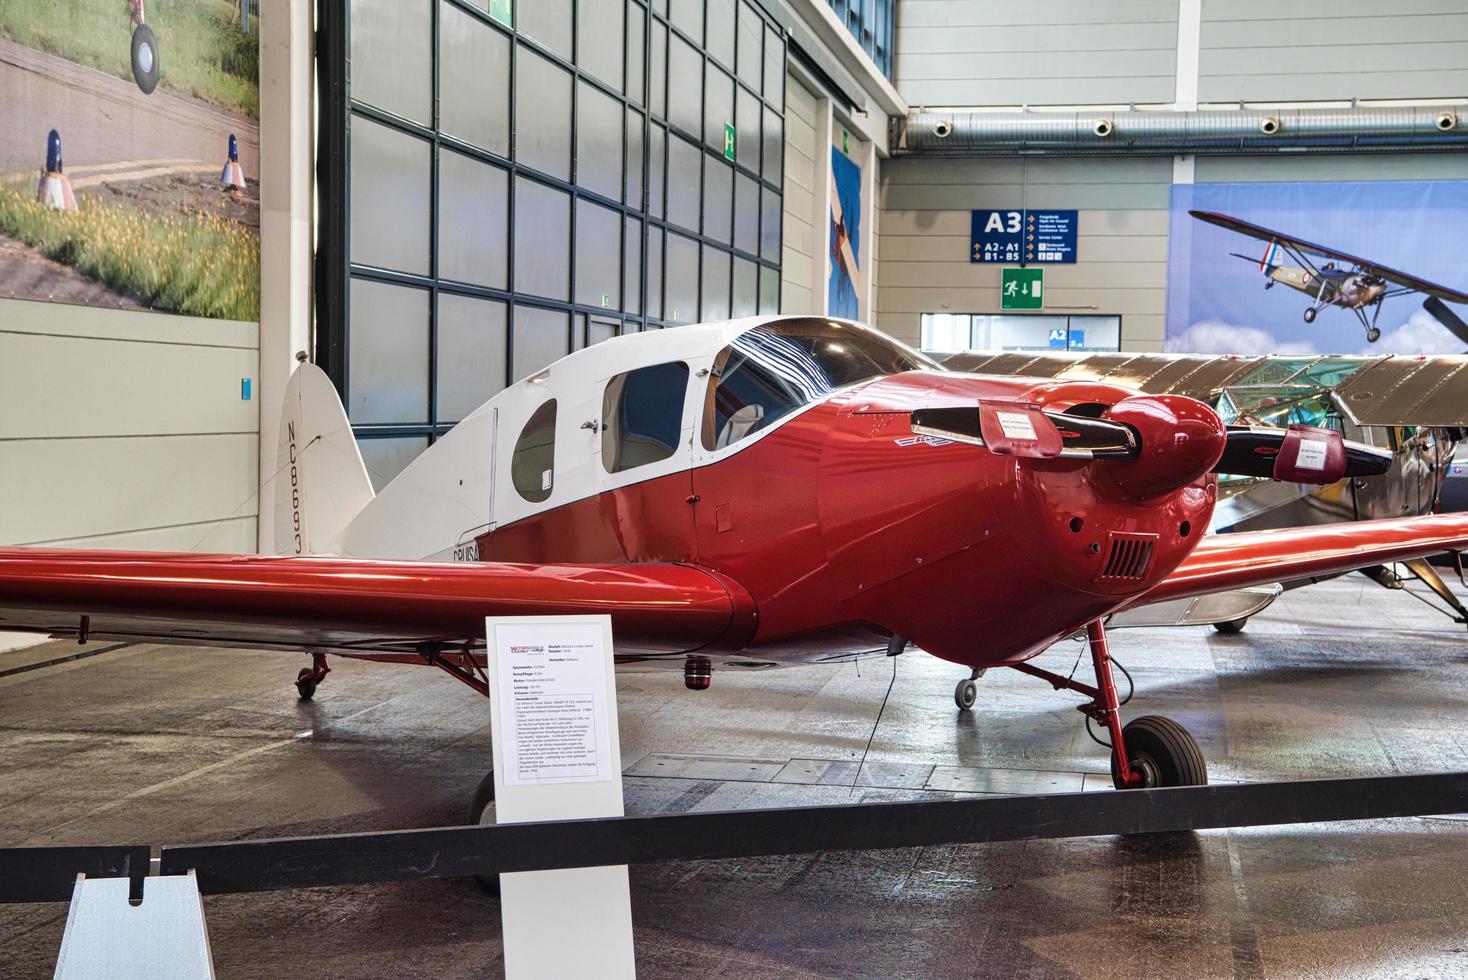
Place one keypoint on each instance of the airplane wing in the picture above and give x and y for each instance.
(1415, 283)
(375, 609)
(1234, 561)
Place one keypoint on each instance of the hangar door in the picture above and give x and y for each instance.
(504, 183)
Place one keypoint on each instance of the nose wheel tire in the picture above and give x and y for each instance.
(1232, 626)
(481, 813)
(305, 684)
(1163, 752)
(145, 59)
(967, 691)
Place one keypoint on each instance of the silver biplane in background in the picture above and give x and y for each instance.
(1360, 289)
(1414, 405)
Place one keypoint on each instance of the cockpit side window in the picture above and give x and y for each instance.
(532, 465)
(642, 416)
(775, 369)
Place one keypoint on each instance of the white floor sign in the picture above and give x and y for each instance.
(553, 709)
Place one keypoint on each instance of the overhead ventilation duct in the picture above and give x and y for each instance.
(1166, 132)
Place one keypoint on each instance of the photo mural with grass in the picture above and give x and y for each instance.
(129, 170)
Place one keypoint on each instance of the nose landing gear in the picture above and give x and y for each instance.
(967, 691)
(1149, 752)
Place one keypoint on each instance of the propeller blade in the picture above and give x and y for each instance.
(1299, 454)
(1443, 314)
(1080, 436)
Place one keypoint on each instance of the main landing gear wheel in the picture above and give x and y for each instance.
(1232, 626)
(481, 813)
(967, 692)
(145, 58)
(1163, 752)
(1373, 335)
(306, 684)
(311, 676)
(1309, 314)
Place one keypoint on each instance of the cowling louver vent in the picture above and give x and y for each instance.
(1129, 557)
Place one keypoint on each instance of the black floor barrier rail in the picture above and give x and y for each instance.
(456, 852)
(47, 874)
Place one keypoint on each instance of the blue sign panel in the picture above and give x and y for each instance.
(997, 236)
(1022, 236)
(1050, 236)
(1057, 338)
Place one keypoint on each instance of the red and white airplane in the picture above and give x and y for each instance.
(736, 495)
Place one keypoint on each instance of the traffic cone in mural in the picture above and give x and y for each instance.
(53, 189)
(232, 178)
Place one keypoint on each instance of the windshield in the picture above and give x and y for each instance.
(772, 370)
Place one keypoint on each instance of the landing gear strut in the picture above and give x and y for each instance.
(967, 691)
(309, 677)
(1151, 751)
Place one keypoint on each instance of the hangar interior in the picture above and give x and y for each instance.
(453, 195)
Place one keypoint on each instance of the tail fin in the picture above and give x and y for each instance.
(321, 482)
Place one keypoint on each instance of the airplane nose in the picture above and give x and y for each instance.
(1181, 439)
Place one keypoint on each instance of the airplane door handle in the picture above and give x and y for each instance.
(594, 425)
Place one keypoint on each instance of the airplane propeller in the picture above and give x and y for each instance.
(1298, 454)
(1444, 314)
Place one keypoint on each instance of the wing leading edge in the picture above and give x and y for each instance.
(1234, 561)
(380, 609)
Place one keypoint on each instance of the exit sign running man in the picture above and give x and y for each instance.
(1021, 289)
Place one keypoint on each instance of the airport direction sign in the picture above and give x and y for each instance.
(1021, 289)
(1022, 236)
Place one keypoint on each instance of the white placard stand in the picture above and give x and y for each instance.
(557, 756)
(162, 939)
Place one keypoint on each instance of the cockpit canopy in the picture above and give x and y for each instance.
(776, 368)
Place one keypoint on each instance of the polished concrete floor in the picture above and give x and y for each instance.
(173, 745)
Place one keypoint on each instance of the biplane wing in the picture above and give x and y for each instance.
(1385, 390)
(1395, 276)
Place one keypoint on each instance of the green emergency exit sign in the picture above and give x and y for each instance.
(728, 142)
(1022, 289)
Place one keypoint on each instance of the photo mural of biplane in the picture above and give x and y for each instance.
(1371, 267)
(1342, 280)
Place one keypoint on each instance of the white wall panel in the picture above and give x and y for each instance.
(127, 429)
(1263, 50)
(1121, 239)
(57, 489)
(804, 151)
(996, 52)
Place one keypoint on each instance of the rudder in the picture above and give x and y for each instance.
(321, 483)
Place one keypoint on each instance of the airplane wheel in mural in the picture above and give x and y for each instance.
(1373, 335)
(145, 58)
(1309, 314)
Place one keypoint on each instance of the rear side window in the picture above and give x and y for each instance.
(642, 416)
(532, 466)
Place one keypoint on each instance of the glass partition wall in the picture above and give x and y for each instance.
(503, 183)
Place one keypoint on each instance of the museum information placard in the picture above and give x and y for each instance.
(552, 690)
